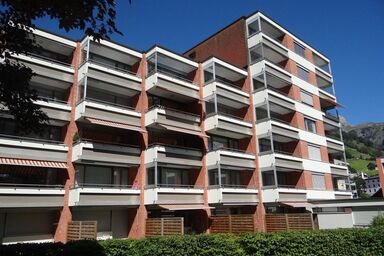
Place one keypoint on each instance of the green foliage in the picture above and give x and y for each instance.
(378, 221)
(361, 166)
(321, 242)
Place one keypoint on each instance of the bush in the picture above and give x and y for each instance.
(321, 242)
(378, 221)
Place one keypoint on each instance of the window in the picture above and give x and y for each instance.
(253, 28)
(299, 49)
(306, 98)
(310, 125)
(302, 73)
(314, 152)
(318, 181)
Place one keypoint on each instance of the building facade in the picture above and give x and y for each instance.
(372, 185)
(243, 123)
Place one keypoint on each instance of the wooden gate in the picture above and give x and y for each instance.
(290, 221)
(78, 230)
(235, 224)
(164, 226)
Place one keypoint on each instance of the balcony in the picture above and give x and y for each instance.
(278, 102)
(168, 155)
(173, 194)
(321, 64)
(273, 78)
(226, 82)
(52, 59)
(172, 119)
(111, 63)
(324, 82)
(16, 147)
(107, 114)
(279, 129)
(232, 195)
(267, 28)
(14, 195)
(267, 49)
(276, 158)
(227, 125)
(230, 158)
(104, 195)
(171, 76)
(100, 153)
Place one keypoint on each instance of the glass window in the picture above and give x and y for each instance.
(306, 98)
(318, 181)
(299, 49)
(310, 125)
(253, 28)
(268, 178)
(302, 73)
(264, 145)
(314, 152)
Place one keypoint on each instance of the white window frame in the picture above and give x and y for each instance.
(312, 155)
(307, 99)
(312, 126)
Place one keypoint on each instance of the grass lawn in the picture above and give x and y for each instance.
(361, 165)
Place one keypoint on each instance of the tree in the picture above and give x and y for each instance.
(95, 17)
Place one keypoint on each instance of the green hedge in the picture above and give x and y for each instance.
(323, 242)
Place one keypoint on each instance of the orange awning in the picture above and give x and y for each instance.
(35, 163)
(299, 204)
(181, 207)
(182, 130)
(114, 124)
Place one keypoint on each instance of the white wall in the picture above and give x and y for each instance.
(335, 220)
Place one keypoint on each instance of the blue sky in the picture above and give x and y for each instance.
(349, 32)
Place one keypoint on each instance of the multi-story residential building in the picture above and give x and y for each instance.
(242, 123)
(372, 185)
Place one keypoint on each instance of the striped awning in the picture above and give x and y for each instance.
(114, 124)
(35, 163)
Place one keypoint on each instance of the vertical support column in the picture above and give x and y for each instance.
(138, 224)
(259, 217)
(65, 213)
(203, 175)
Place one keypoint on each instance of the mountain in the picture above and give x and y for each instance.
(363, 143)
(373, 132)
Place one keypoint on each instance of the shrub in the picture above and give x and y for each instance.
(321, 242)
(378, 221)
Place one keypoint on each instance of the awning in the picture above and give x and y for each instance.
(182, 130)
(299, 204)
(36, 163)
(182, 207)
(114, 124)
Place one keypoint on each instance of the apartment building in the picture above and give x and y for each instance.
(243, 123)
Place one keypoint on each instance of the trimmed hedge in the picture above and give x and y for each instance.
(323, 242)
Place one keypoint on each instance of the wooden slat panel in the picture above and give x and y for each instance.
(164, 226)
(236, 224)
(78, 230)
(292, 221)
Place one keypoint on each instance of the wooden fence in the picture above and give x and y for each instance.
(78, 230)
(290, 221)
(235, 224)
(164, 226)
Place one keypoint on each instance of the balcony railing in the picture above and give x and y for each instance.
(85, 140)
(173, 110)
(37, 140)
(112, 67)
(185, 186)
(105, 103)
(234, 150)
(50, 60)
(109, 185)
(49, 99)
(171, 74)
(172, 146)
(32, 186)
